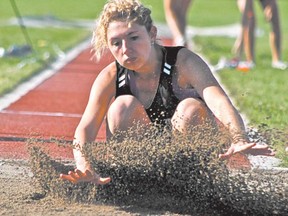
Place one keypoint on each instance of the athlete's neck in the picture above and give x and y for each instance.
(154, 64)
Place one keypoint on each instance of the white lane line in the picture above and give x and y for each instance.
(52, 114)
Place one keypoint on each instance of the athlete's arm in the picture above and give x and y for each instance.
(101, 94)
(197, 73)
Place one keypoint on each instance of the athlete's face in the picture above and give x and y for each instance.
(130, 44)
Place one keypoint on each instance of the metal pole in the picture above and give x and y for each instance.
(22, 25)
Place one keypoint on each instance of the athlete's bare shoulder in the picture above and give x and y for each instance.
(186, 55)
(109, 70)
(107, 77)
(189, 62)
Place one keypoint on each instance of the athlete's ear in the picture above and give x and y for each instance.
(153, 33)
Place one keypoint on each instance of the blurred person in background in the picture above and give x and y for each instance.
(176, 18)
(246, 40)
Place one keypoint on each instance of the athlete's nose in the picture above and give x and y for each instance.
(125, 47)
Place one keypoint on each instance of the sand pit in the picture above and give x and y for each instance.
(19, 196)
(163, 176)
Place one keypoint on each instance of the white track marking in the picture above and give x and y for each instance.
(52, 114)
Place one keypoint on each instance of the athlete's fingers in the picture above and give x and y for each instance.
(240, 148)
(260, 146)
(87, 176)
(235, 148)
(103, 181)
(73, 175)
(68, 177)
(79, 173)
(227, 154)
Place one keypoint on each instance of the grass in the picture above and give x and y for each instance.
(45, 40)
(46, 46)
(260, 94)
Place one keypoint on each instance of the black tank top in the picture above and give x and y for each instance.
(165, 101)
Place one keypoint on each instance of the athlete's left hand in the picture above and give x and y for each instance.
(248, 148)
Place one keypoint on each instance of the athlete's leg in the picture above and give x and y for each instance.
(125, 112)
(176, 13)
(190, 113)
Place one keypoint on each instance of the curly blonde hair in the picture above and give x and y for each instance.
(131, 11)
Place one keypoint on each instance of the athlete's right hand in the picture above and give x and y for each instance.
(77, 176)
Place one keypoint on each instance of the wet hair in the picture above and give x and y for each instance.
(130, 11)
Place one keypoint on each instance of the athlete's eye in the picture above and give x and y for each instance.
(134, 38)
(116, 43)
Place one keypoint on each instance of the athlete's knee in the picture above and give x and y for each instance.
(122, 107)
(191, 108)
(192, 113)
(124, 112)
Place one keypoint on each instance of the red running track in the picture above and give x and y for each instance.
(51, 110)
